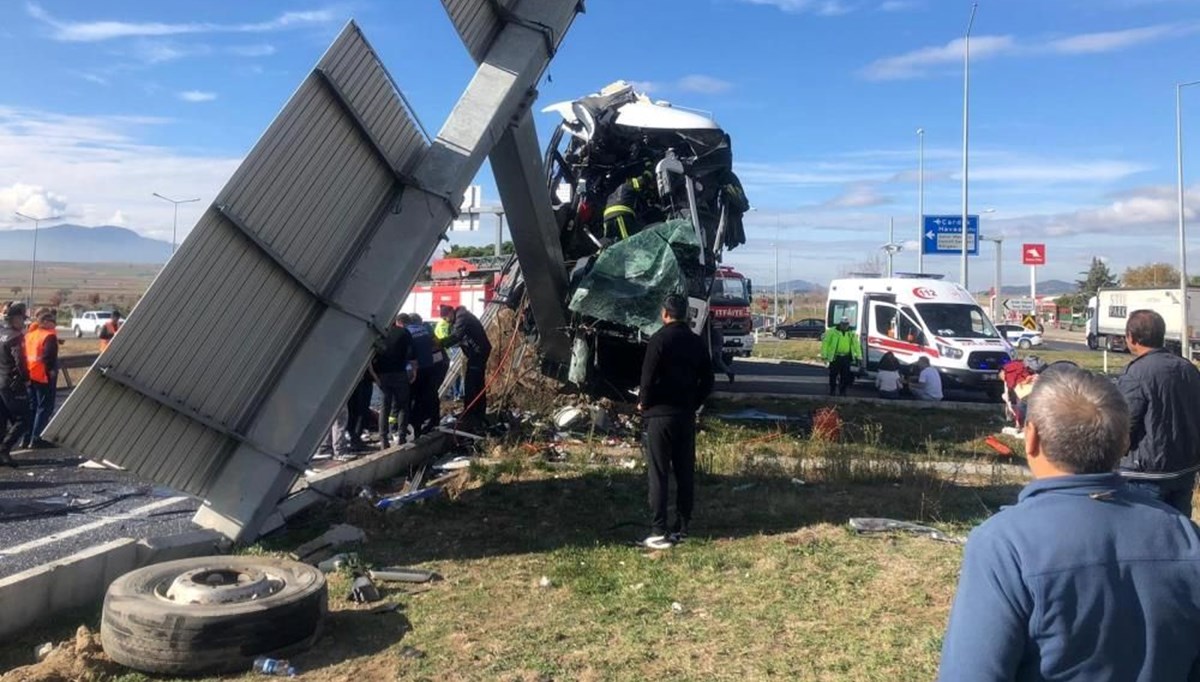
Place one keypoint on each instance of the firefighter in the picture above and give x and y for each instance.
(14, 382)
(109, 330)
(626, 205)
(840, 348)
(468, 334)
(41, 359)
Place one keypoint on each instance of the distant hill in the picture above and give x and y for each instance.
(78, 244)
(801, 286)
(1051, 287)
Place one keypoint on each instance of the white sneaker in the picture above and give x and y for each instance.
(657, 542)
(1012, 431)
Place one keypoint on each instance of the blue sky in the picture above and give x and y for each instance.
(1072, 110)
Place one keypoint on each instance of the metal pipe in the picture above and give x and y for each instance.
(921, 200)
(966, 140)
(33, 265)
(1184, 336)
(175, 220)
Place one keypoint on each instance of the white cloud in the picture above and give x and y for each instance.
(95, 31)
(858, 195)
(901, 5)
(117, 218)
(695, 84)
(32, 200)
(934, 59)
(824, 8)
(197, 96)
(103, 168)
(1052, 171)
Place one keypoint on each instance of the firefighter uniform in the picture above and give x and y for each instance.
(625, 206)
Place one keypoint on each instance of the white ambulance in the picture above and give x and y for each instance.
(912, 316)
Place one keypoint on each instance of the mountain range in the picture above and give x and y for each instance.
(68, 243)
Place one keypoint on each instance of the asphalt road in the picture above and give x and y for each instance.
(791, 378)
(50, 508)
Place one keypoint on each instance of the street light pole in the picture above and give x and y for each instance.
(920, 200)
(966, 139)
(1184, 336)
(33, 264)
(175, 220)
(999, 241)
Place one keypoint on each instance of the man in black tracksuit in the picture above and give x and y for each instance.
(14, 382)
(1163, 393)
(677, 376)
(468, 334)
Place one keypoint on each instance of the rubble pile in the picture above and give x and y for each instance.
(70, 661)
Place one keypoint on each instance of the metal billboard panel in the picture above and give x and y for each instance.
(180, 387)
(477, 23)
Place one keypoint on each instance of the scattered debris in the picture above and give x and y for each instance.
(337, 562)
(568, 417)
(454, 464)
(744, 487)
(399, 574)
(389, 607)
(798, 482)
(1000, 448)
(41, 652)
(628, 464)
(752, 414)
(677, 608)
(827, 425)
(397, 501)
(876, 525)
(363, 591)
(341, 534)
(545, 582)
(273, 667)
(411, 652)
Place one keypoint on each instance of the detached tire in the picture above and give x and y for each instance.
(250, 606)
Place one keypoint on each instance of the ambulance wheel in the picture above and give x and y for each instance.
(212, 614)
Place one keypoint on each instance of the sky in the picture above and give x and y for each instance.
(1072, 121)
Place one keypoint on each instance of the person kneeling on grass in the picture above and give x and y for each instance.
(887, 376)
(929, 382)
(1085, 578)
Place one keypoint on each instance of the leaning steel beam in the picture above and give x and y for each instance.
(266, 344)
(521, 181)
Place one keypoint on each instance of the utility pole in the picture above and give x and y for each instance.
(175, 220)
(920, 201)
(1184, 335)
(33, 263)
(966, 140)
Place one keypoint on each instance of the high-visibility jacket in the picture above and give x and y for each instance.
(107, 332)
(837, 343)
(622, 211)
(36, 341)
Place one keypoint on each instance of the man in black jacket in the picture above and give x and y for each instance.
(394, 361)
(1163, 393)
(677, 377)
(14, 382)
(468, 334)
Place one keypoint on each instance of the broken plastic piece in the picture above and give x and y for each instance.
(341, 534)
(363, 591)
(416, 496)
(876, 525)
(399, 574)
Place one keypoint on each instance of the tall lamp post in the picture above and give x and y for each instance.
(920, 200)
(999, 241)
(1184, 336)
(175, 220)
(33, 265)
(966, 138)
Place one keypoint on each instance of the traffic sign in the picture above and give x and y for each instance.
(943, 235)
(1029, 323)
(1020, 305)
(1033, 254)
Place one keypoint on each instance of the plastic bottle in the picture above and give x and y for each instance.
(273, 667)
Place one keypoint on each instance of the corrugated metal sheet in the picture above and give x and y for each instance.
(477, 23)
(180, 385)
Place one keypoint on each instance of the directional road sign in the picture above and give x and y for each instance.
(1020, 305)
(943, 235)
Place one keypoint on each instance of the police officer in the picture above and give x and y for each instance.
(423, 391)
(14, 382)
(840, 348)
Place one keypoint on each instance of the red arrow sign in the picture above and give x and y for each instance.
(1033, 254)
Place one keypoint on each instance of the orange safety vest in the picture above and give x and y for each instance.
(113, 328)
(35, 341)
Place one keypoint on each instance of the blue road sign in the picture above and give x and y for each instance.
(942, 235)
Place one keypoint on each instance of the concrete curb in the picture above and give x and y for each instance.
(914, 404)
(36, 595)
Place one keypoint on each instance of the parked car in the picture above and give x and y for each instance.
(1020, 336)
(808, 328)
(90, 322)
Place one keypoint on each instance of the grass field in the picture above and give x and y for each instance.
(772, 583)
(86, 284)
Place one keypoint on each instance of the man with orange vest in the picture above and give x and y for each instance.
(41, 358)
(109, 330)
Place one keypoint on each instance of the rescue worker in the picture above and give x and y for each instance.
(441, 367)
(41, 360)
(109, 330)
(442, 332)
(393, 366)
(468, 334)
(14, 382)
(840, 348)
(625, 207)
(423, 391)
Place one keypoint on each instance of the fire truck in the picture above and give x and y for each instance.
(468, 282)
(729, 308)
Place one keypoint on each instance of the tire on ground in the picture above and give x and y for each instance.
(141, 629)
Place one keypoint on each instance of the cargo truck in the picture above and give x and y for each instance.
(1109, 310)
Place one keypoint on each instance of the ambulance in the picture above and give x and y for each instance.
(914, 316)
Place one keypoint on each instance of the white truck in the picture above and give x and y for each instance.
(921, 316)
(1109, 309)
(90, 322)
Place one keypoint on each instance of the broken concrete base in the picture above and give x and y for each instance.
(80, 580)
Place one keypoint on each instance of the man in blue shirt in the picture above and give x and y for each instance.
(1085, 578)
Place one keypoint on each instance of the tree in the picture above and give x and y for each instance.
(94, 298)
(16, 291)
(874, 264)
(1151, 275)
(460, 251)
(1097, 277)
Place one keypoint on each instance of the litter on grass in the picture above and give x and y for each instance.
(876, 525)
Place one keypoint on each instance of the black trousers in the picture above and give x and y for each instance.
(396, 398)
(840, 374)
(671, 447)
(420, 401)
(435, 387)
(1176, 493)
(14, 417)
(474, 397)
(358, 411)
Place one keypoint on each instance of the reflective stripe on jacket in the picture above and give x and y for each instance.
(836, 343)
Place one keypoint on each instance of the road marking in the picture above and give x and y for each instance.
(88, 527)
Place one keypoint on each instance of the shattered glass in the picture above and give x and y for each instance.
(630, 279)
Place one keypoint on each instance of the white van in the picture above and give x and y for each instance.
(920, 315)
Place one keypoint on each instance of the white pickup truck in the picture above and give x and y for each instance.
(90, 322)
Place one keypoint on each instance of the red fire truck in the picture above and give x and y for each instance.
(729, 308)
(469, 282)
